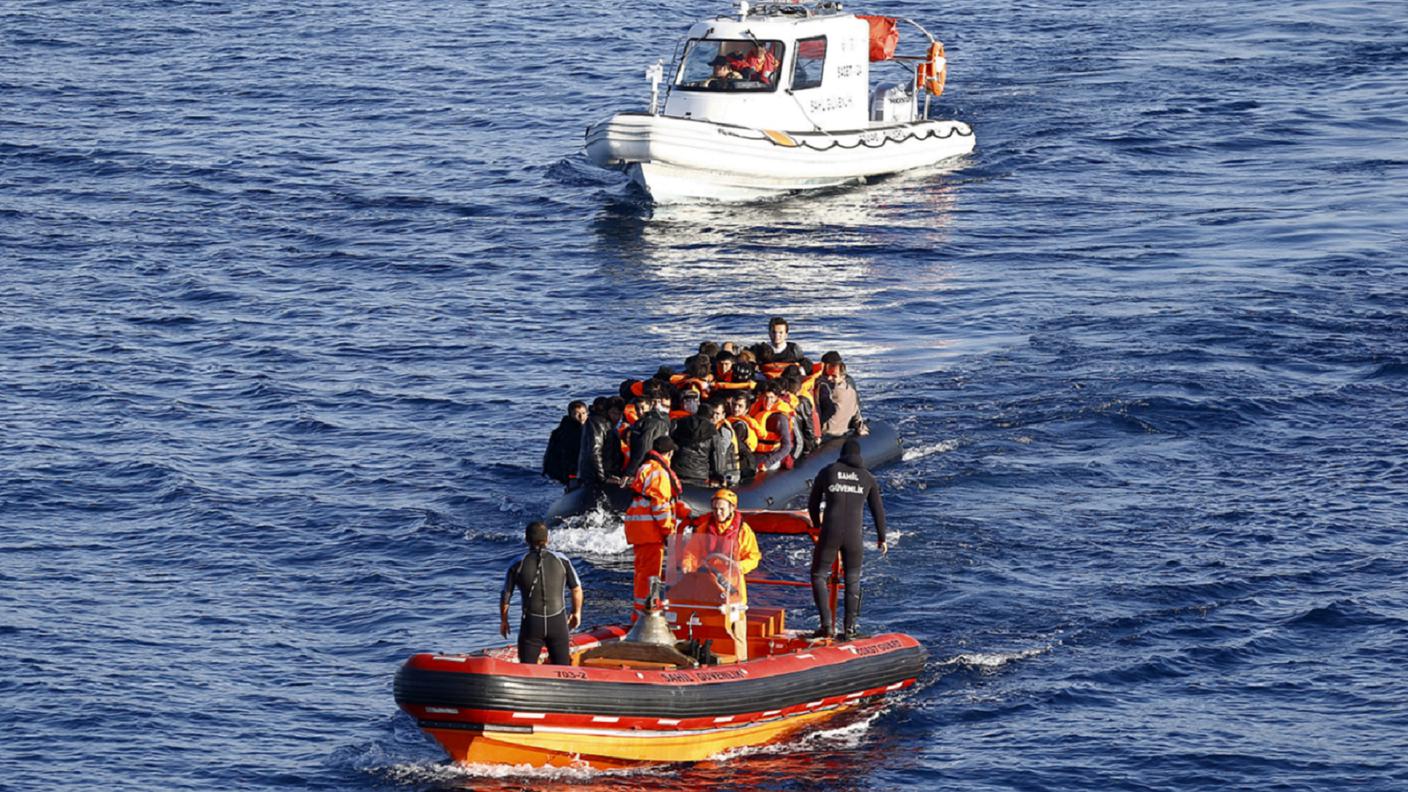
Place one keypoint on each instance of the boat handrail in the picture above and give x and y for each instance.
(807, 8)
(793, 522)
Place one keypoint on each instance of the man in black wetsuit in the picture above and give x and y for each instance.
(541, 576)
(846, 487)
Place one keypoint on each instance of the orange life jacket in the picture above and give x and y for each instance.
(700, 385)
(774, 370)
(768, 440)
(754, 430)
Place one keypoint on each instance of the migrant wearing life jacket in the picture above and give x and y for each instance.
(808, 392)
(732, 386)
(774, 370)
(770, 438)
(695, 383)
(653, 513)
(629, 415)
(746, 429)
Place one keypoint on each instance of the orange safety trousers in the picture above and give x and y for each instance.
(649, 557)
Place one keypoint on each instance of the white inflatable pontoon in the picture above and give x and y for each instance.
(780, 98)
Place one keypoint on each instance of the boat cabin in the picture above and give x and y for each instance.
(790, 66)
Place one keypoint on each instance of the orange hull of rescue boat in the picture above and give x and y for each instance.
(486, 708)
(610, 751)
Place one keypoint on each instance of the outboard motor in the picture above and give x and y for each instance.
(892, 103)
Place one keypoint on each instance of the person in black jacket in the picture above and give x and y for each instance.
(600, 462)
(777, 349)
(564, 445)
(542, 577)
(654, 423)
(699, 448)
(845, 487)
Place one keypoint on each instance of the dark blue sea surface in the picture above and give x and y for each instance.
(291, 295)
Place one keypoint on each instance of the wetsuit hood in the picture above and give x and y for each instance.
(850, 454)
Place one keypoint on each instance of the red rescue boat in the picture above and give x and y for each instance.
(714, 677)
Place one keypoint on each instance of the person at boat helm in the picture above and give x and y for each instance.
(652, 516)
(564, 446)
(541, 576)
(844, 488)
(723, 526)
(724, 73)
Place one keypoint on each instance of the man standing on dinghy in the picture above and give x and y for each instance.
(777, 349)
(846, 488)
(541, 576)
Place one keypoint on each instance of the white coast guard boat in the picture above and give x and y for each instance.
(780, 98)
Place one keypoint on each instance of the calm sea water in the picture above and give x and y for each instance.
(292, 294)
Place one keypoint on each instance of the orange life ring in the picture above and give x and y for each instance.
(931, 74)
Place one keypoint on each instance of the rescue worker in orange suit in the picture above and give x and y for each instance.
(653, 516)
(723, 531)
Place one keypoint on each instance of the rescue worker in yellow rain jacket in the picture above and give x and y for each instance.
(723, 527)
(723, 532)
(653, 515)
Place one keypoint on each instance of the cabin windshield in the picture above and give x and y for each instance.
(702, 569)
(731, 65)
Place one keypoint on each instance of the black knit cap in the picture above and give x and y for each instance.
(663, 445)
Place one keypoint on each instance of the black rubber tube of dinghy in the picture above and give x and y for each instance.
(784, 489)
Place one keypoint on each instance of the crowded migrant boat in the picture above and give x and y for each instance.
(696, 670)
(761, 418)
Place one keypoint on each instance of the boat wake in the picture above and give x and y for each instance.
(483, 776)
(944, 447)
(988, 662)
(596, 537)
(838, 737)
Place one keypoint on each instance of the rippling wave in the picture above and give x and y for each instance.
(292, 296)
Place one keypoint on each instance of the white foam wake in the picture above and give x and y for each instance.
(597, 534)
(991, 661)
(919, 452)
